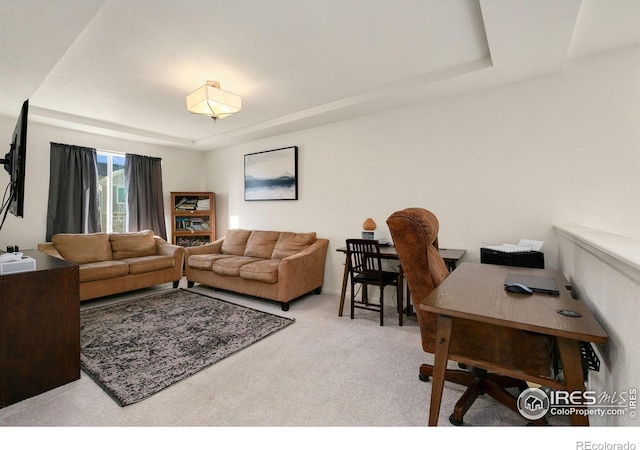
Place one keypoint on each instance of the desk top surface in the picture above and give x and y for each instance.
(44, 261)
(390, 252)
(476, 292)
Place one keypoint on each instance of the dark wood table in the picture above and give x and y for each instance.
(451, 257)
(39, 328)
(475, 292)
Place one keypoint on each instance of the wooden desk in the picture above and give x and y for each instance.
(451, 257)
(39, 328)
(475, 292)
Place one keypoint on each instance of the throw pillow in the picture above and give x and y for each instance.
(133, 245)
(291, 243)
(235, 242)
(83, 248)
(261, 244)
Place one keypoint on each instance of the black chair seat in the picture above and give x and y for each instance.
(388, 278)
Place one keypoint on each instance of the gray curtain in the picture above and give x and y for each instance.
(74, 200)
(143, 184)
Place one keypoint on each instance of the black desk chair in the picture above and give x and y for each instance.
(365, 268)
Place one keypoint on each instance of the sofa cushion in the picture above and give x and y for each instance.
(230, 267)
(235, 242)
(143, 264)
(103, 270)
(291, 243)
(265, 270)
(204, 262)
(261, 244)
(83, 248)
(133, 245)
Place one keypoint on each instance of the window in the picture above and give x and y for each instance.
(112, 192)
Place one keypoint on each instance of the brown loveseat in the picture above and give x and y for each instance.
(118, 262)
(275, 265)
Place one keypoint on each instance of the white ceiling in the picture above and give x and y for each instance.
(123, 68)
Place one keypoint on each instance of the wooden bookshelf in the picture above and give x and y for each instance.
(193, 218)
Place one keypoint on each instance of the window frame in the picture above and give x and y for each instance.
(109, 194)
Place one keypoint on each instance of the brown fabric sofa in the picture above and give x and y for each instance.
(118, 262)
(275, 265)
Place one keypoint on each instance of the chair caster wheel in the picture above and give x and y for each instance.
(454, 421)
(424, 377)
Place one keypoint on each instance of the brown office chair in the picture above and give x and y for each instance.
(414, 232)
(365, 268)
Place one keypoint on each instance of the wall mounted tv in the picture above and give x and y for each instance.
(14, 163)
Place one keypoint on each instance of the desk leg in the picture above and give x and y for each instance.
(345, 278)
(443, 338)
(400, 294)
(572, 365)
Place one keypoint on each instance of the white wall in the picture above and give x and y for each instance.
(181, 171)
(496, 166)
(613, 295)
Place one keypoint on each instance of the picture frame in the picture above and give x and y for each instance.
(271, 175)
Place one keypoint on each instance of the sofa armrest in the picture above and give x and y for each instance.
(167, 249)
(304, 271)
(214, 247)
(49, 249)
(315, 250)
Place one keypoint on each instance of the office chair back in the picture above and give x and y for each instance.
(415, 235)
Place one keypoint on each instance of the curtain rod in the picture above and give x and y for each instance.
(107, 151)
(70, 145)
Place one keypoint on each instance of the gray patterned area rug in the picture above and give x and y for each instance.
(137, 348)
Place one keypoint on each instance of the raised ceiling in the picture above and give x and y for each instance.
(123, 68)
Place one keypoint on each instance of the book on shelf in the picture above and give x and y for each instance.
(203, 204)
(198, 224)
(187, 204)
(192, 241)
(181, 223)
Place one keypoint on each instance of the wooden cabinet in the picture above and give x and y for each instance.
(39, 328)
(193, 218)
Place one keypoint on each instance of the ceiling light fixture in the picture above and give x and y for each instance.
(209, 99)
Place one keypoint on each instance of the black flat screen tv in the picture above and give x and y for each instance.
(15, 163)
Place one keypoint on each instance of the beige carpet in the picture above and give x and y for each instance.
(321, 371)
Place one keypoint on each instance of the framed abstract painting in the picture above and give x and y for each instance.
(271, 175)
